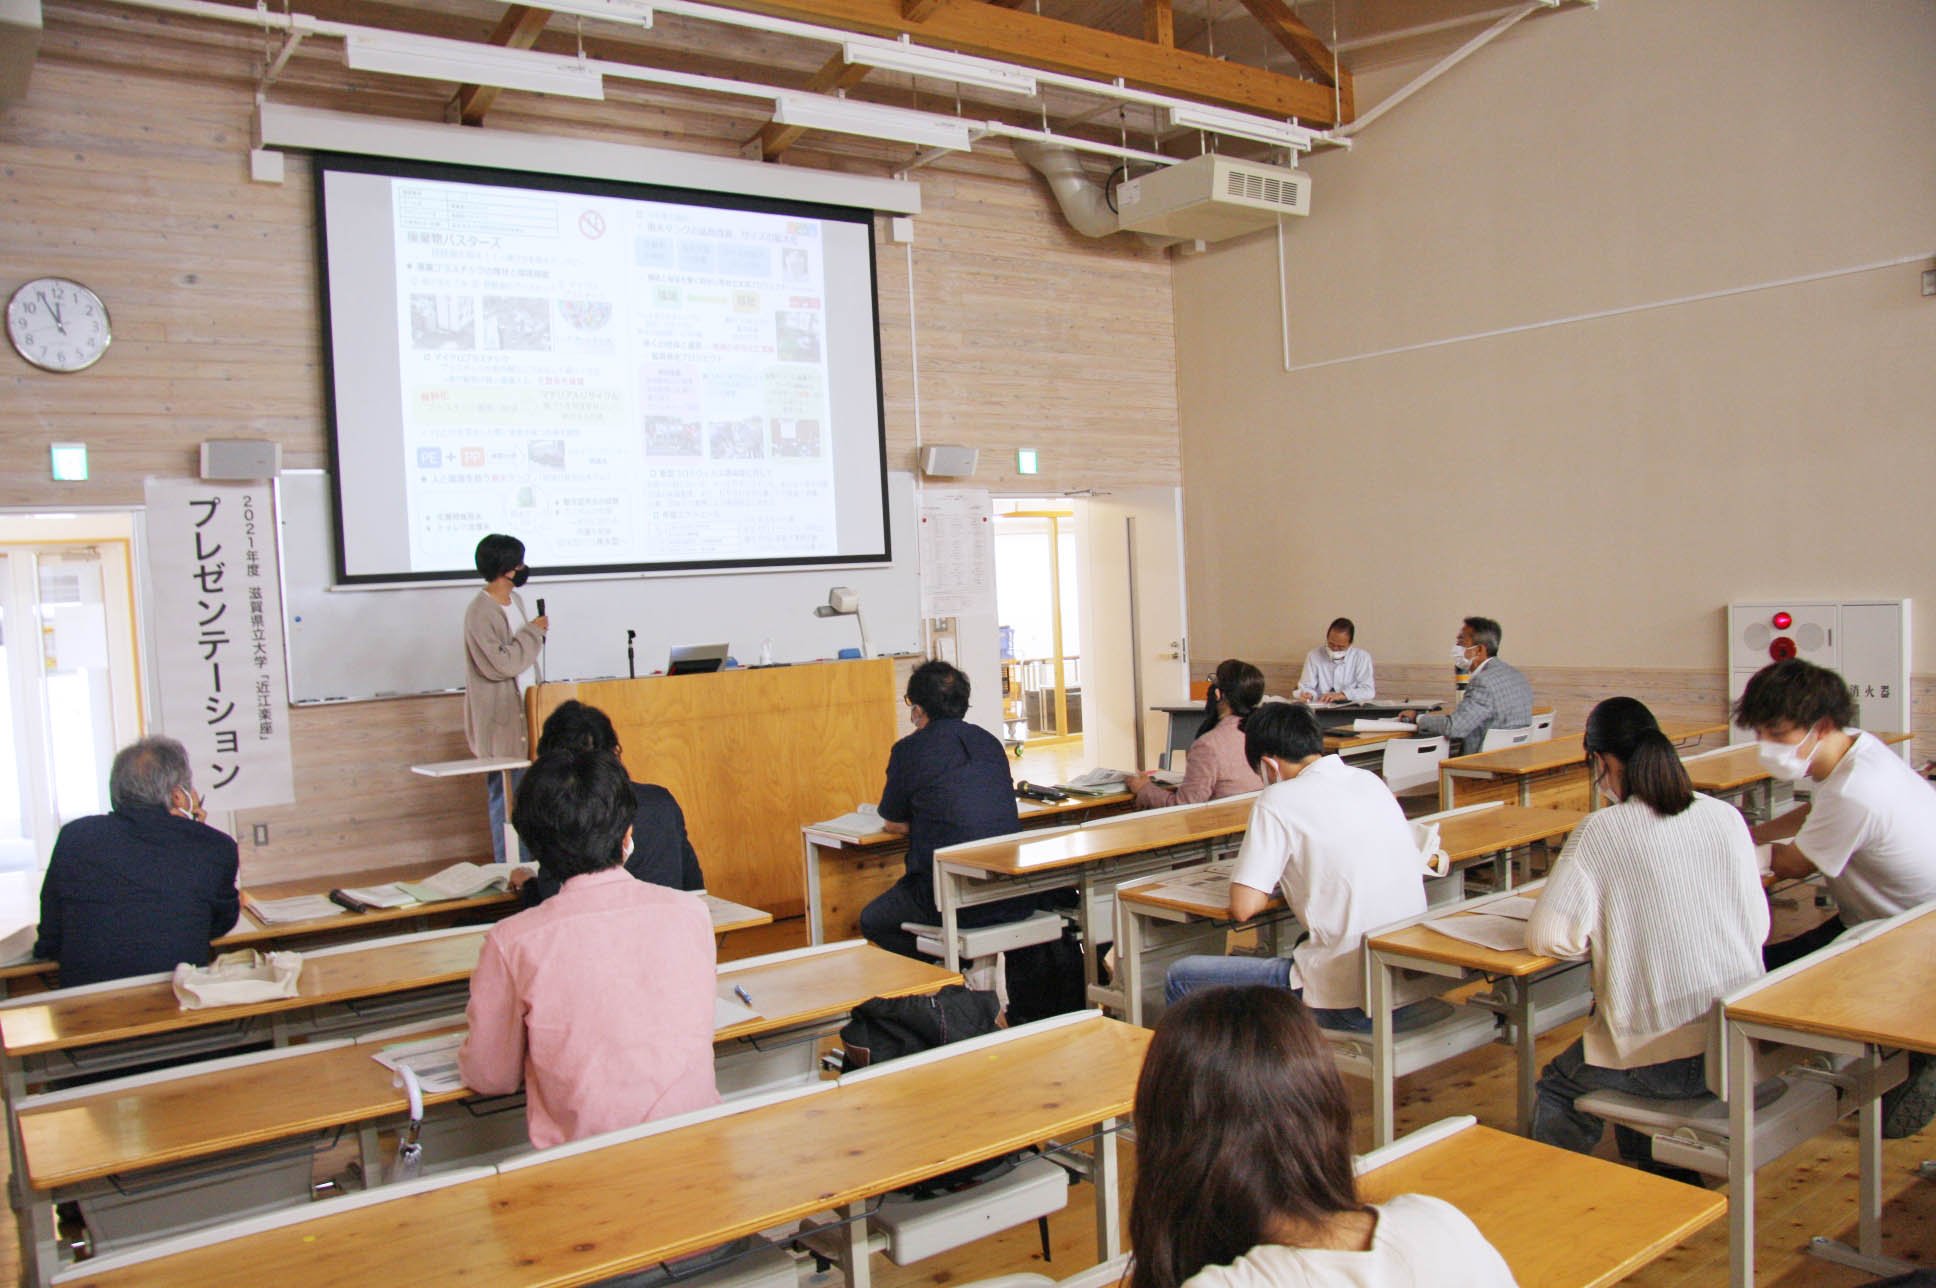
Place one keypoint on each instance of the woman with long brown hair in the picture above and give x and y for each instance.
(1243, 1165)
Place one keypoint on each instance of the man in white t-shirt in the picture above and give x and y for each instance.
(1869, 827)
(1335, 841)
(1338, 672)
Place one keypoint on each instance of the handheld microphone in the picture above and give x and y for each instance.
(631, 666)
(541, 611)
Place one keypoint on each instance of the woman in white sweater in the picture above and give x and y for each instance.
(1243, 1165)
(1663, 890)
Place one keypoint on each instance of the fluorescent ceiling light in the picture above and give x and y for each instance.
(634, 13)
(468, 63)
(870, 120)
(1240, 125)
(940, 65)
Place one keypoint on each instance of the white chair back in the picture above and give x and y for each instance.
(1413, 762)
(1497, 738)
(1542, 726)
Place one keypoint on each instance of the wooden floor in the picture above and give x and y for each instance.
(1811, 1191)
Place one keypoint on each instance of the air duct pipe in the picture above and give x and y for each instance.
(1081, 198)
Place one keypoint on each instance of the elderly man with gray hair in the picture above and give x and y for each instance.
(145, 887)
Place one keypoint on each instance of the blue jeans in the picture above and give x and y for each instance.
(494, 803)
(1557, 1122)
(1192, 973)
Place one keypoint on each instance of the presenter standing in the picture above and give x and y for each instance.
(503, 648)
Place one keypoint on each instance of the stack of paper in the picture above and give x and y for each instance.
(863, 820)
(367, 898)
(1097, 782)
(1505, 934)
(284, 912)
(1369, 725)
(18, 947)
(459, 881)
(433, 1060)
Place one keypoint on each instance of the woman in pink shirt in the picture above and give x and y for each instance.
(599, 1001)
(1216, 767)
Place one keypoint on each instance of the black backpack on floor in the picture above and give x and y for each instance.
(887, 1028)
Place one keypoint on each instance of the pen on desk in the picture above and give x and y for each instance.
(744, 996)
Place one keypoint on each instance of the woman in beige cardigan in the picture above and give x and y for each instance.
(503, 647)
(1215, 767)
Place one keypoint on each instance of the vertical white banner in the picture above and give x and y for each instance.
(218, 630)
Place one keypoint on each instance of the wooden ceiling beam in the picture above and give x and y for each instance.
(1159, 22)
(517, 29)
(989, 30)
(836, 74)
(1312, 54)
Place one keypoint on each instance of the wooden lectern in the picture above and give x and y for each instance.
(751, 755)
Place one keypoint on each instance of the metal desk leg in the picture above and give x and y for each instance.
(1741, 1159)
(815, 935)
(1109, 1224)
(1129, 961)
(1085, 892)
(1383, 1057)
(39, 1242)
(950, 917)
(1867, 1255)
(853, 1245)
(1526, 792)
(1526, 1051)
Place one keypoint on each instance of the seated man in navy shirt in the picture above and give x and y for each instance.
(661, 852)
(947, 782)
(144, 888)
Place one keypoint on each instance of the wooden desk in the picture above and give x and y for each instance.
(1570, 1221)
(1865, 995)
(1146, 919)
(1550, 773)
(346, 926)
(1413, 945)
(630, 1205)
(844, 874)
(1093, 860)
(128, 1128)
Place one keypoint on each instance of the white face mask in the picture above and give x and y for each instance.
(1335, 654)
(625, 848)
(1787, 761)
(1267, 770)
(1458, 657)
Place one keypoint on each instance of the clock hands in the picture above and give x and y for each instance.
(53, 309)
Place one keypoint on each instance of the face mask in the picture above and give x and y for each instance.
(1458, 657)
(1267, 770)
(625, 849)
(1604, 781)
(1335, 654)
(521, 576)
(1784, 761)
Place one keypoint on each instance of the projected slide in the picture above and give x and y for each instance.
(622, 382)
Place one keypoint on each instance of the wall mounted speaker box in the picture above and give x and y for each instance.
(241, 459)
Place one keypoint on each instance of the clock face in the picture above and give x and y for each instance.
(58, 324)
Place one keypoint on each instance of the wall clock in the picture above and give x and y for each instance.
(58, 324)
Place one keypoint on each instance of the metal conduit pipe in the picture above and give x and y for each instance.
(1080, 197)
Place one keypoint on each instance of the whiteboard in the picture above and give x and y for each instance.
(365, 643)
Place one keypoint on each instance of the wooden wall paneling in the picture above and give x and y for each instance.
(752, 755)
(358, 805)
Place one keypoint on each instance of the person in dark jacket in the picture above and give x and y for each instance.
(661, 853)
(145, 887)
(947, 782)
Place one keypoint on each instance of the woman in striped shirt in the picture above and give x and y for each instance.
(1662, 889)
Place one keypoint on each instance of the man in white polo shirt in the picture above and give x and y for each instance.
(1334, 839)
(1869, 827)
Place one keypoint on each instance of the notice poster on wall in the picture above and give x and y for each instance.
(957, 553)
(217, 603)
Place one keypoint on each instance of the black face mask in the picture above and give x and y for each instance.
(521, 576)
